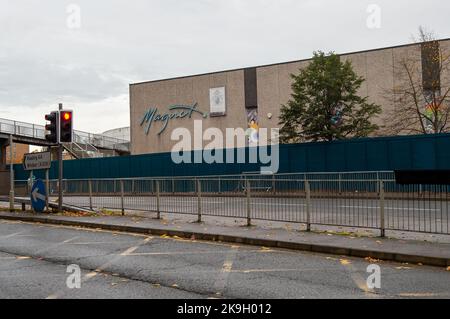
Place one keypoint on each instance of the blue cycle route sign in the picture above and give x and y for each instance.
(38, 196)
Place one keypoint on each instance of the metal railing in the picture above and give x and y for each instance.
(38, 131)
(356, 200)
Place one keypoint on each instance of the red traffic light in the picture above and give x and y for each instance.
(66, 116)
(66, 126)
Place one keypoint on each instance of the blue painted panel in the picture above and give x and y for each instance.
(423, 154)
(368, 154)
(356, 156)
(377, 156)
(400, 154)
(336, 157)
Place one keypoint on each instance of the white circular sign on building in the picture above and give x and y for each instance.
(217, 100)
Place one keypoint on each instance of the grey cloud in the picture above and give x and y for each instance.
(43, 62)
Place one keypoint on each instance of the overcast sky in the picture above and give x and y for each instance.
(48, 55)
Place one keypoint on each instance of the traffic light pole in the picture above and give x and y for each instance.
(11, 175)
(60, 178)
(61, 172)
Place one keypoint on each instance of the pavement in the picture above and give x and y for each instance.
(336, 243)
(404, 219)
(38, 261)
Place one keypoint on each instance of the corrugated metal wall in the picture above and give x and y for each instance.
(372, 154)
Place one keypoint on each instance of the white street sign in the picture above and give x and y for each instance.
(36, 161)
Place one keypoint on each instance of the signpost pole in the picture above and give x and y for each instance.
(31, 188)
(30, 185)
(47, 189)
(11, 175)
(61, 171)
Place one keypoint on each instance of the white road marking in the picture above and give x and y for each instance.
(12, 235)
(178, 253)
(395, 208)
(423, 295)
(222, 279)
(248, 271)
(55, 246)
(193, 202)
(94, 273)
(100, 243)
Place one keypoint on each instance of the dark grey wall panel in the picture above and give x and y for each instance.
(251, 88)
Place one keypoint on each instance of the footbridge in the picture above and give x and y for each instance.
(85, 144)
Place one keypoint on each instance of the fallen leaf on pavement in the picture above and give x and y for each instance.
(345, 262)
(372, 260)
(175, 286)
(156, 285)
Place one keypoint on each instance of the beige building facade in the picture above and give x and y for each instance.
(248, 97)
(19, 151)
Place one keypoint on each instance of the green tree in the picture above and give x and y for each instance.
(325, 105)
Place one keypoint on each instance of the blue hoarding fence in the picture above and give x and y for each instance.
(420, 152)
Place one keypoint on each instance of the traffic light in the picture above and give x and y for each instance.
(52, 128)
(65, 126)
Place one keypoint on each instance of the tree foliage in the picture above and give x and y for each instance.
(325, 104)
(421, 95)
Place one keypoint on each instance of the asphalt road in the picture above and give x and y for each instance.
(407, 214)
(34, 260)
